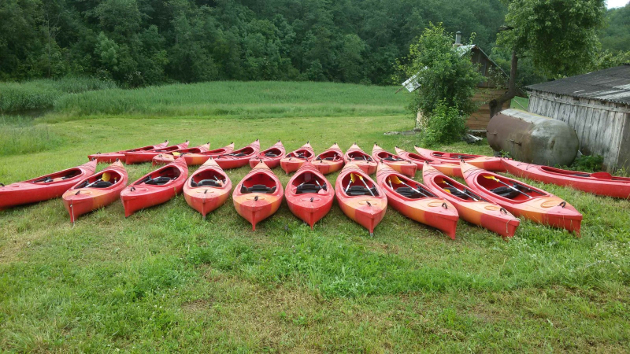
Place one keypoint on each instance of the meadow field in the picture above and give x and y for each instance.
(166, 280)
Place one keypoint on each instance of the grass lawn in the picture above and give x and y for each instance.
(165, 280)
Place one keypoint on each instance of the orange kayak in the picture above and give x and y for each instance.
(470, 206)
(360, 158)
(415, 201)
(295, 159)
(330, 160)
(449, 169)
(168, 157)
(271, 157)
(155, 188)
(45, 187)
(111, 157)
(309, 195)
(238, 158)
(96, 191)
(397, 163)
(193, 159)
(359, 197)
(207, 188)
(258, 195)
(147, 155)
(521, 199)
(489, 163)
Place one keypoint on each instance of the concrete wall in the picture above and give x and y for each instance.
(603, 128)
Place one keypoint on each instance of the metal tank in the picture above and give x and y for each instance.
(533, 138)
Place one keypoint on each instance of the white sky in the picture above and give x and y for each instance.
(616, 3)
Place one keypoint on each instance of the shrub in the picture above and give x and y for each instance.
(588, 163)
(445, 125)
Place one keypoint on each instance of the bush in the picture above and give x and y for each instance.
(445, 125)
(588, 163)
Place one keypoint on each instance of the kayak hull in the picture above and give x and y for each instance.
(80, 200)
(205, 199)
(488, 215)
(30, 191)
(432, 211)
(543, 208)
(166, 158)
(489, 163)
(449, 169)
(111, 157)
(362, 160)
(255, 207)
(309, 207)
(616, 187)
(138, 195)
(201, 158)
(229, 162)
(407, 168)
(329, 161)
(146, 156)
(295, 159)
(366, 210)
(271, 161)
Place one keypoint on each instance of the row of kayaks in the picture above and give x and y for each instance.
(489, 200)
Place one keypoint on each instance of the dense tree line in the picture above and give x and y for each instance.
(616, 35)
(141, 42)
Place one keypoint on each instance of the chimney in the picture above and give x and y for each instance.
(458, 39)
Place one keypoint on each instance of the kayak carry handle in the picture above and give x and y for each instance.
(503, 210)
(563, 204)
(444, 205)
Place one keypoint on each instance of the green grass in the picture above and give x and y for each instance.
(520, 103)
(42, 94)
(22, 135)
(165, 280)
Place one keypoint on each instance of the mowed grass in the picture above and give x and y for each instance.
(166, 280)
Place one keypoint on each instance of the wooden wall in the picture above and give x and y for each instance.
(603, 128)
(480, 119)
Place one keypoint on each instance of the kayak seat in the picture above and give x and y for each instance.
(369, 159)
(457, 193)
(505, 192)
(101, 184)
(46, 179)
(158, 181)
(205, 183)
(240, 154)
(258, 188)
(390, 158)
(581, 175)
(409, 193)
(271, 154)
(327, 158)
(361, 190)
(309, 188)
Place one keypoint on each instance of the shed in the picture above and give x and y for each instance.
(487, 90)
(597, 106)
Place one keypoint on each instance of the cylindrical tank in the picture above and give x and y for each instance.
(532, 138)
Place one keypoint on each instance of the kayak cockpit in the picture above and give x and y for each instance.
(241, 152)
(328, 156)
(359, 156)
(407, 188)
(57, 177)
(355, 184)
(160, 177)
(259, 183)
(417, 157)
(272, 152)
(208, 178)
(456, 189)
(386, 156)
(301, 154)
(102, 180)
(450, 155)
(508, 189)
(308, 182)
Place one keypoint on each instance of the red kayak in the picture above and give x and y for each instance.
(357, 156)
(295, 159)
(521, 199)
(600, 183)
(193, 159)
(397, 163)
(359, 197)
(416, 202)
(96, 191)
(146, 156)
(271, 157)
(259, 195)
(330, 160)
(208, 188)
(309, 195)
(487, 163)
(168, 157)
(238, 158)
(44, 187)
(469, 205)
(155, 188)
(449, 169)
(111, 157)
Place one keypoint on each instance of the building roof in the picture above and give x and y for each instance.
(611, 85)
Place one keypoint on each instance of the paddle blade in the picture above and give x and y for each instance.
(106, 177)
(447, 191)
(395, 179)
(601, 175)
(176, 154)
(352, 179)
(490, 177)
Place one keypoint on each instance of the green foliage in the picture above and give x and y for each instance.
(588, 163)
(616, 35)
(445, 125)
(560, 36)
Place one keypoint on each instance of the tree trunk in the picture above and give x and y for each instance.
(497, 104)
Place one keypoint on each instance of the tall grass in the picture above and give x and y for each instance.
(41, 94)
(243, 99)
(20, 135)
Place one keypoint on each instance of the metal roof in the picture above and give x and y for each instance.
(611, 85)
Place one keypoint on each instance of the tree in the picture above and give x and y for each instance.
(559, 36)
(447, 81)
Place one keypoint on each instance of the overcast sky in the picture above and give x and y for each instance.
(616, 3)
